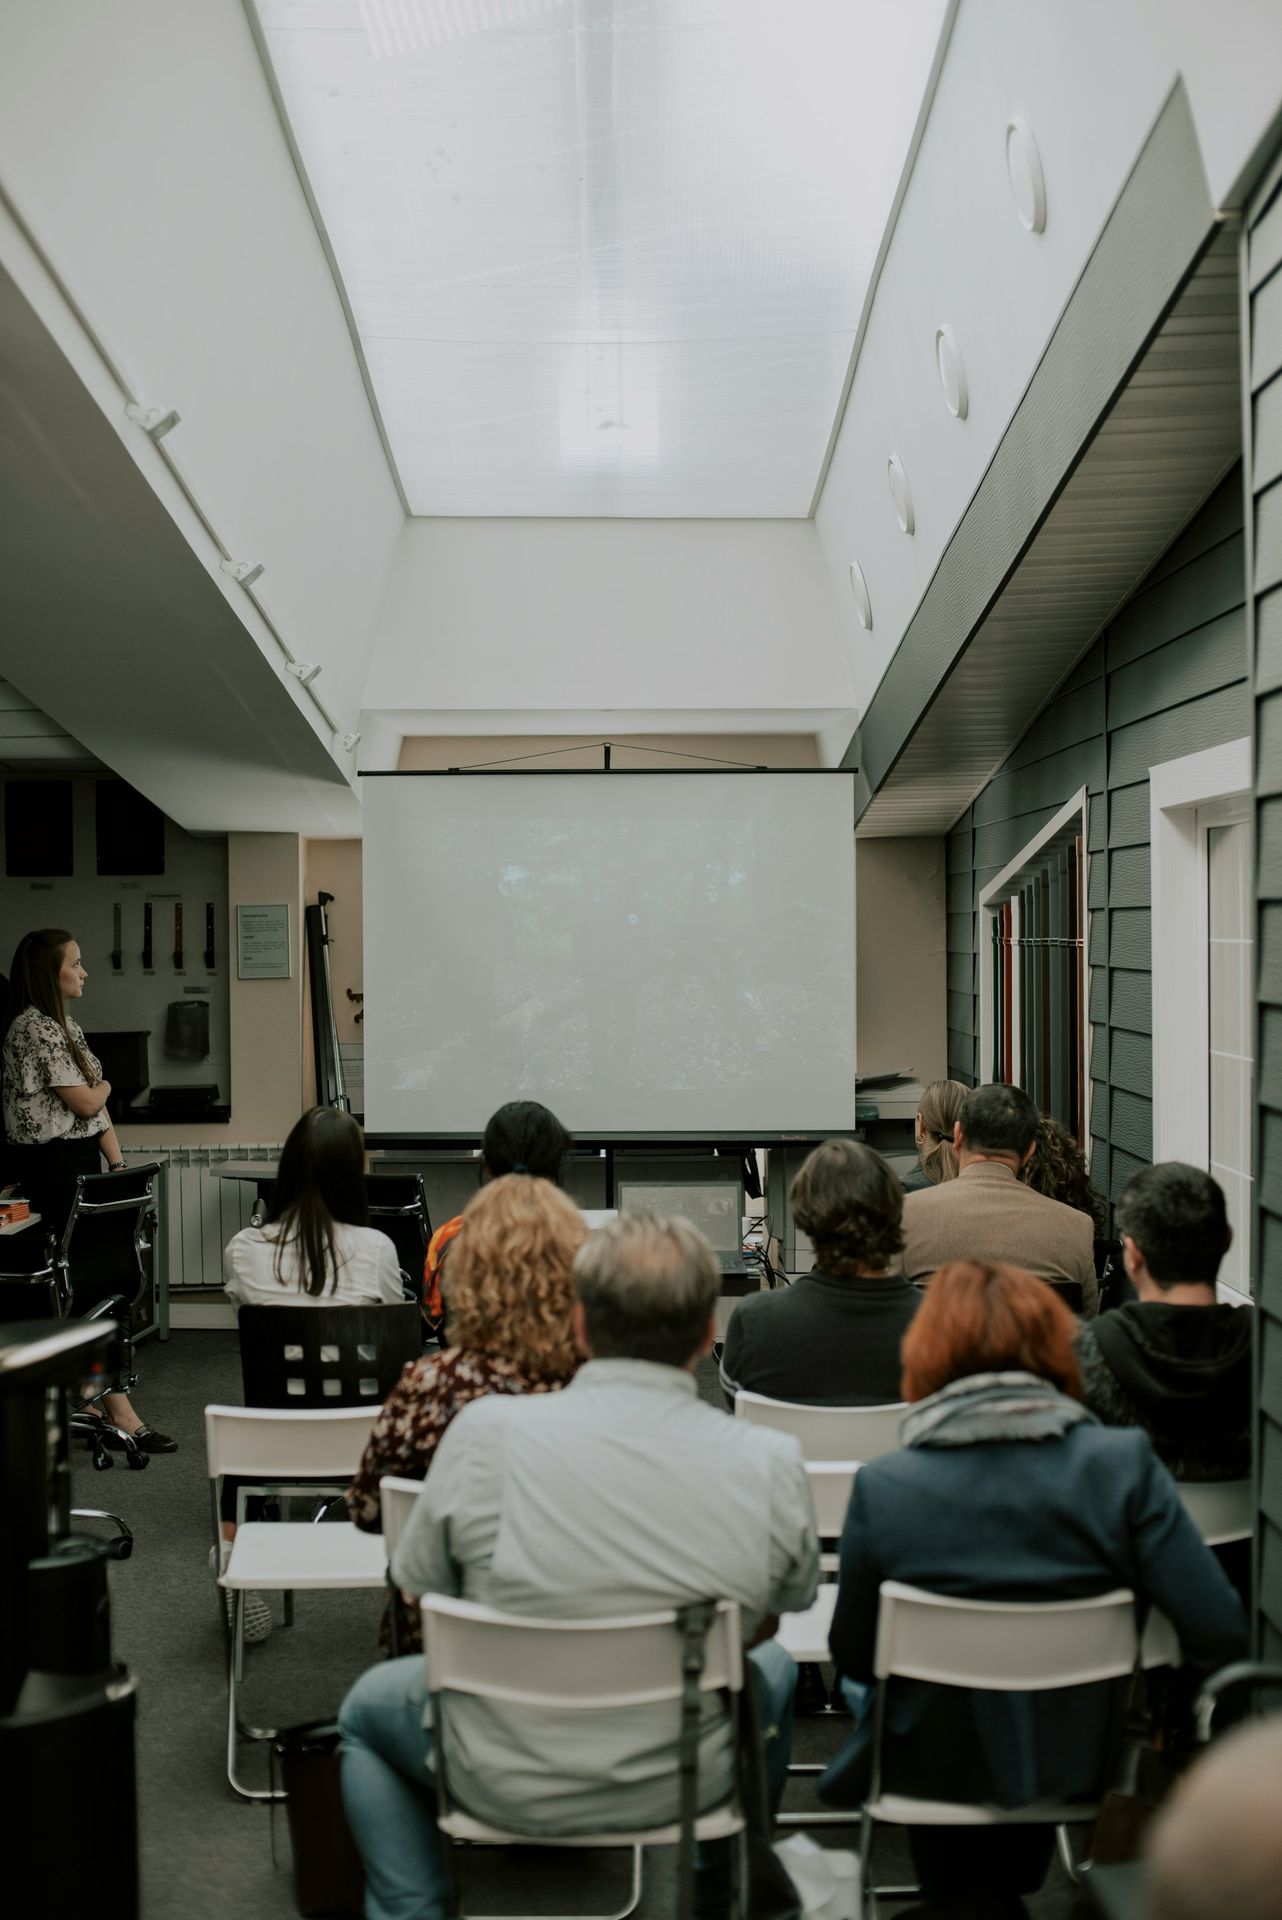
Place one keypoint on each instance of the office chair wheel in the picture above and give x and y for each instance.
(121, 1548)
(136, 1460)
(102, 1460)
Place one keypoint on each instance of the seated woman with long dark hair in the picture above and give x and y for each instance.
(510, 1298)
(316, 1246)
(1007, 1489)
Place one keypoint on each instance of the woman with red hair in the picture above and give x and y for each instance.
(1006, 1488)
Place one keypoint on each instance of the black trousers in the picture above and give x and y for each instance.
(954, 1861)
(47, 1175)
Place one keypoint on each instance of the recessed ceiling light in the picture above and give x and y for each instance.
(859, 587)
(952, 373)
(1027, 180)
(901, 493)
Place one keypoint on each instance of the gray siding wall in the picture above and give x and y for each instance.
(1167, 678)
(1264, 256)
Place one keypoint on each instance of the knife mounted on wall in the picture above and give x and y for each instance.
(211, 951)
(146, 938)
(117, 929)
(178, 936)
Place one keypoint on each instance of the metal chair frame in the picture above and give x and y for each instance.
(723, 1673)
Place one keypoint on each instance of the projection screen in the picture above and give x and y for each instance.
(650, 955)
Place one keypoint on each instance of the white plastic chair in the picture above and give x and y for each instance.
(396, 1499)
(1222, 1510)
(827, 1433)
(589, 1666)
(996, 1647)
(285, 1450)
(805, 1635)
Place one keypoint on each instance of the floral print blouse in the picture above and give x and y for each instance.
(407, 1432)
(37, 1059)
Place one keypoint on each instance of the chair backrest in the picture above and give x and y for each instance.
(283, 1443)
(109, 1224)
(1222, 1510)
(591, 1665)
(1070, 1292)
(325, 1356)
(398, 1208)
(831, 1482)
(396, 1498)
(1002, 1646)
(828, 1433)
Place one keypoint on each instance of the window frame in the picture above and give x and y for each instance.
(1185, 796)
(1075, 813)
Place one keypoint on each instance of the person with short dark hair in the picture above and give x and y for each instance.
(1006, 1488)
(832, 1338)
(1174, 1361)
(622, 1494)
(988, 1213)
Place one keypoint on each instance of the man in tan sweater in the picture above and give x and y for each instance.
(987, 1213)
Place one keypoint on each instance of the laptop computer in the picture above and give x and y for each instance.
(714, 1206)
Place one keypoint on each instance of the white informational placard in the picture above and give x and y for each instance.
(262, 942)
(656, 954)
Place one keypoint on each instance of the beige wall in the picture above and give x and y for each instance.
(422, 752)
(266, 1016)
(901, 962)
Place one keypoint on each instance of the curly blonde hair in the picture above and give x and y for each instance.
(508, 1287)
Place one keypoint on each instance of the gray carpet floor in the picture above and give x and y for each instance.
(207, 1855)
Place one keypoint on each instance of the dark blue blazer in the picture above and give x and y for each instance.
(1017, 1520)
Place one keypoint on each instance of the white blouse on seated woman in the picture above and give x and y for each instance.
(367, 1272)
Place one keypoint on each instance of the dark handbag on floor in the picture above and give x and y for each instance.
(329, 1880)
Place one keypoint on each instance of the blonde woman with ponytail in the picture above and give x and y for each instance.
(933, 1135)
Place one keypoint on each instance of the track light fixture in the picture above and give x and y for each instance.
(156, 422)
(350, 742)
(243, 572)
(304, 670)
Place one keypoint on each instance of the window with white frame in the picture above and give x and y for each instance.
(1034, 1018)
(1203, 979)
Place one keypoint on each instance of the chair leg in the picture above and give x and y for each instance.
(234, 1676)
(288, 1598)
(1073, 1868)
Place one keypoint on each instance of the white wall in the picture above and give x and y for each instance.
(564, 615)
(140, 145)
(1090, 79)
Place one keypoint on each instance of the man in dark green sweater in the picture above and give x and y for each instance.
(1174, 1361)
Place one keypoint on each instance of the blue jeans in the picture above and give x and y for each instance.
(387, 1791)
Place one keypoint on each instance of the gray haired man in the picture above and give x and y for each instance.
(624, 1493)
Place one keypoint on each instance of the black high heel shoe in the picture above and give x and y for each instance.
(145, 1437)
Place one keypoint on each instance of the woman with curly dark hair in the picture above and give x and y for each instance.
(1058, 1169)
(510, 1297)
(832, 1339)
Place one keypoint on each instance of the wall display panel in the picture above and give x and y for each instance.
(648, 954)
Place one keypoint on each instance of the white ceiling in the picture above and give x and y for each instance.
(603, 257)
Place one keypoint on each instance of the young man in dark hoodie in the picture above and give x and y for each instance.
(1174, 1361)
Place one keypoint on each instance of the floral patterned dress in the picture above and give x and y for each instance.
(407, 1432)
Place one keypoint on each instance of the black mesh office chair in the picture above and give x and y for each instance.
(398, 1208)
(105, 1257)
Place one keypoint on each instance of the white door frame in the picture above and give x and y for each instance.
(1181, 1041)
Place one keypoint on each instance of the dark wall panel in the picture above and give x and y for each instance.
(1167, 678)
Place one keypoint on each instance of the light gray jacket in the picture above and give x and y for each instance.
(625, 1493)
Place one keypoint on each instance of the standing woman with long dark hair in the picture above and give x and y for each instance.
(55, 1106)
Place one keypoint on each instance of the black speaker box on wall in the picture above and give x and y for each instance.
(37, 829)
(130, 831)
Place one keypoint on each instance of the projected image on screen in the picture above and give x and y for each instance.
(642, 954)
